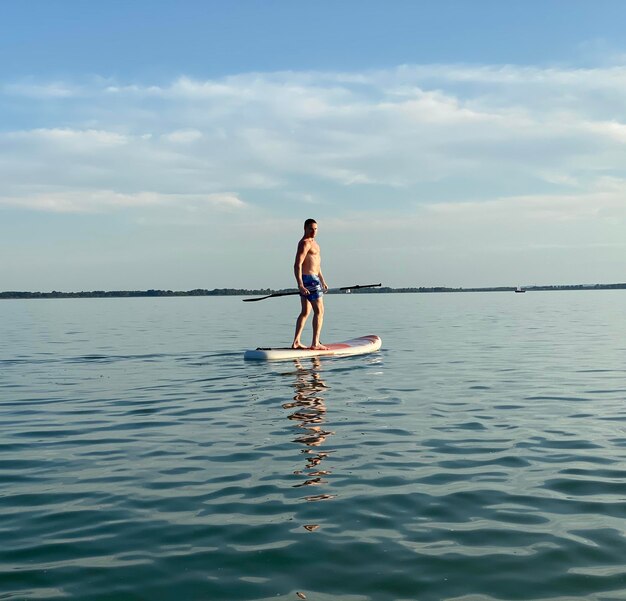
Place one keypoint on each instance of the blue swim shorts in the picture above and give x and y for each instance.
(313, 285)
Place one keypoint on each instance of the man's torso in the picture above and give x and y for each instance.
(313, 260)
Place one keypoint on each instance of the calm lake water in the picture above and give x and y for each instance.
(480, 455)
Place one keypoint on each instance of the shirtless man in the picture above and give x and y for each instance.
(308, 272)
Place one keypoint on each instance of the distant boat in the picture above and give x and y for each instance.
(519, 290)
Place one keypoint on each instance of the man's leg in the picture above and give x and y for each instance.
(318, 321)
(304, 313)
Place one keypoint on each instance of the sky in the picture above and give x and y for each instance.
(181, 144)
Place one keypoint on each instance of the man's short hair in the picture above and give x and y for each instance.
(309, 222)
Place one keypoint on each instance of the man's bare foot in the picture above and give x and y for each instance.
(298, 345)
(318, 347)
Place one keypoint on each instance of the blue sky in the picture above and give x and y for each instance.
(175, 145)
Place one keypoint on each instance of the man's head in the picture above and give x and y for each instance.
(310, 227)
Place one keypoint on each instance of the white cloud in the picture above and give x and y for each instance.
(609, 129)
(452, 132)
(43, 91)
(185, 136)
(61, 138)
(99, 201)
(538, 209)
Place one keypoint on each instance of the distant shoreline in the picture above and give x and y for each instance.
(265, 291)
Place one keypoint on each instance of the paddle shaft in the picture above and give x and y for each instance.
(276, 294)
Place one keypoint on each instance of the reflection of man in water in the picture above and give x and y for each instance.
(308, 271)
(311, 411)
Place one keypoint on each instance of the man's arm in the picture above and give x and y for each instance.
(303, 249)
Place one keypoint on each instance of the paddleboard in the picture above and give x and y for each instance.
(356, 346)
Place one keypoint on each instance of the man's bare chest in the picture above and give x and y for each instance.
(314, 250)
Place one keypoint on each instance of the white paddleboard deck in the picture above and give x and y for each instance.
(356, 346)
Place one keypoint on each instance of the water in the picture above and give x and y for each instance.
(481, 455)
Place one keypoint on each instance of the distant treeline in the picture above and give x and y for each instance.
(136, 293)
(502, 288)
(266, 291)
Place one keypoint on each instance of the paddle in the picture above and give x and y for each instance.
(356, 287)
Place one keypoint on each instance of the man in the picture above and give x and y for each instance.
(308, 271)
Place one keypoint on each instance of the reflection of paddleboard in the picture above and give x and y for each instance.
(356, 346)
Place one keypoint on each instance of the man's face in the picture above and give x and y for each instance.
(311, 230)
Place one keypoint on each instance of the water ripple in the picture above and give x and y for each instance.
(476, 463)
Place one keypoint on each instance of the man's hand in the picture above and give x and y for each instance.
(303, 290)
